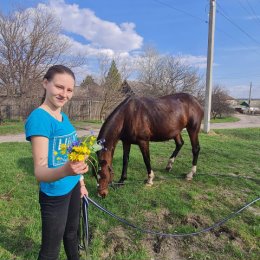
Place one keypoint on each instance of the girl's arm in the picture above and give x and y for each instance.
(83, 189)
(40, 159)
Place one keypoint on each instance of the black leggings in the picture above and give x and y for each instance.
(60, 220)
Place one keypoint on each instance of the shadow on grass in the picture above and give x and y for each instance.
(17, 243)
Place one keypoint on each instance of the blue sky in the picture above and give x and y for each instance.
(176, 27)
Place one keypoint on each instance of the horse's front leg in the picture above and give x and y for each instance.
(179, 143)
(144, 147)
(126, 151)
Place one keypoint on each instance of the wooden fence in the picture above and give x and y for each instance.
(76, 109)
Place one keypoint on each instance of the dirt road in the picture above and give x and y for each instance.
(246, 121)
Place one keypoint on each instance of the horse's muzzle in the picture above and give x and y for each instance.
(103, 193)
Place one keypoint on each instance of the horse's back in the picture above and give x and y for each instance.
(159, 119)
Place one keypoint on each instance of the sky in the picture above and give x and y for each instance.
(173, 27)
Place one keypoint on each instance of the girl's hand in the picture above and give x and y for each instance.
(83, 191)
(74, 168)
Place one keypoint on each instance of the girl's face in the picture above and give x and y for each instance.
(59, 90)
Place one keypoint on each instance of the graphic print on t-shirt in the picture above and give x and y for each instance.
(57, 141)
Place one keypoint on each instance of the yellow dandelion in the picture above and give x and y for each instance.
(81, 157)
(73, 156)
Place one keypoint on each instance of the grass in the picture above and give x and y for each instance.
(11, 127)
(225, 119)
(89, 123)
(227, 178)
(17, 127)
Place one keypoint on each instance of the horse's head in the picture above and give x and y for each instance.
(105, 174)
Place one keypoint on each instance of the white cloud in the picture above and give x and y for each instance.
(196, 61)
(102, 35)
(86, 49)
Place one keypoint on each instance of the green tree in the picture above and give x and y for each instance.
(113, 79)
(87, 81)
(112, 87)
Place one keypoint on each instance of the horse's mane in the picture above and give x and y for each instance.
(112, 114)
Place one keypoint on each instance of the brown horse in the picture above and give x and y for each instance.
(138, 120)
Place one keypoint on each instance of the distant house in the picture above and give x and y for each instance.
(245, 108)
(244, 104)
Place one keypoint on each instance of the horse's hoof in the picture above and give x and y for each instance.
(168, 169)
(189, 177)
(148, 183)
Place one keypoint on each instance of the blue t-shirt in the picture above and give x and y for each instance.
(41, 123)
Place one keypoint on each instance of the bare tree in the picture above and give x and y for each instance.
(167, 74)
(30, 42)
(219, 105)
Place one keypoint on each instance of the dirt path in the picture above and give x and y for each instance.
(21, 137)
(246, 121)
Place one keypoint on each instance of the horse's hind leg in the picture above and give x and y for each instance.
(193, 134)
(126, 151)
(179, 143)
(144, 147)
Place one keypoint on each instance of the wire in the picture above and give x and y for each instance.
(180, 10)
(253, 11)
(204, 21)
(237, 26)
(231, 37)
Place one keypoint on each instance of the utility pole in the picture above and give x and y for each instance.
(249, 99)
(208, 94)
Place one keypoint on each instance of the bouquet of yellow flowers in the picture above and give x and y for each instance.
(81, 150)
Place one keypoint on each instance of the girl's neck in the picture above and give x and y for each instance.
(51, 107)
(53, 111)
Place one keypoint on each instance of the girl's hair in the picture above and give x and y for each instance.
(58, 69)
(52, 71)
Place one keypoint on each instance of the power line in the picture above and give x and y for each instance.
(243, 7)
(237, 26)
(180, 10)
(253, 11)
(240, 42)
(204, 21)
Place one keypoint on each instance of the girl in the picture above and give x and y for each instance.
(61, 182)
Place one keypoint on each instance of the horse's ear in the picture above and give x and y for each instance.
(103, 163)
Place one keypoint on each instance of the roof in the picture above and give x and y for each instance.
(245, 104)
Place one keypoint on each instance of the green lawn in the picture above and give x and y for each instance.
(11, 127)
(227, 178)
(17, 127)
(226, 119)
